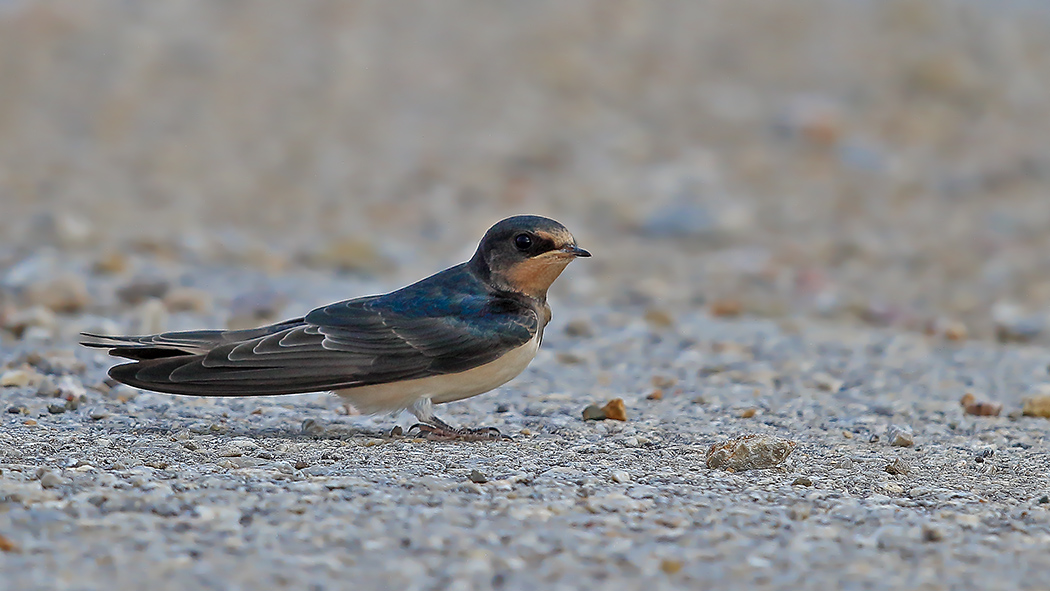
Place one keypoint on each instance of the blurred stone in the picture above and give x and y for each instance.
(981, 408)
(34, 317)
(726, 308)
(48, 388)
(659, 318)
(20, 378)
(952, 330)
(1013, 325)
(188, 299)
(749, 452)
(52, 480)
(478, 477)
(1036, 406)
(70, 388)
(569, 358)
(64, 229)
(143, 289)
(112, 262)
(352, 255)
(255, 308)
(151, 317)
(579, 328)
(816, 120)
(64, 294)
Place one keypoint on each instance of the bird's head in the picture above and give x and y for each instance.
(525, 254)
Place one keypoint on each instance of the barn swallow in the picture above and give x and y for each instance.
(456, 334)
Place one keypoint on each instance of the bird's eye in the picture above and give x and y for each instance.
(523, 241)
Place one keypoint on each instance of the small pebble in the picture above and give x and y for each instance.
(478, 477)
(620, 476)
(670, 567)
(56, 409)
(615, 409)
(749, 452)
(898, 467)
(593, 412)
(726, 308)
(900, 436)
(65, 294)
(747, 413)
(802, 481)
(6, 545)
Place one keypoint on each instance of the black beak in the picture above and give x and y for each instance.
(575, 251)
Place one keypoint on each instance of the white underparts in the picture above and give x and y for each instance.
(398, 396)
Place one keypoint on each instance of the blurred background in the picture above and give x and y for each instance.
(874, 162)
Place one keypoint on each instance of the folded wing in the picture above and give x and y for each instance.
(358, 342)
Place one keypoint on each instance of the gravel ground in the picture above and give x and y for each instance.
(822, 223)
(120, 487)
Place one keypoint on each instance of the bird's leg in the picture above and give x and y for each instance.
(431, 427)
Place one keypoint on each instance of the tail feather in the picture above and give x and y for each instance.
(176, 344)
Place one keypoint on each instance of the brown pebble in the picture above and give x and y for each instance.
(111, 263)
(983, 409)
(671, 567)
(7, 545)
(726, 308)
(1037, 406)
(956, 331)
(615, 409)
(655, 395)
(187, 299)
(967, 399)
(663, 382)
(747, 413)
(659, 318)
(300, 464)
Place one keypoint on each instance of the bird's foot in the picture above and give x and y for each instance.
(444, 432)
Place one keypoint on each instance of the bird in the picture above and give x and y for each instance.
(458, 333)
